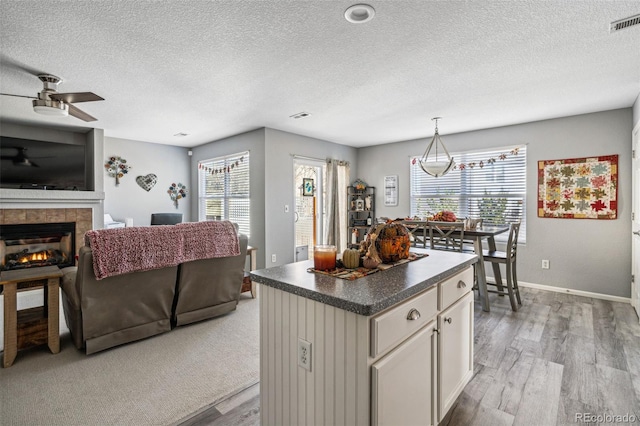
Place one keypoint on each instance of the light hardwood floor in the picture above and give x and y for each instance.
(558, 360)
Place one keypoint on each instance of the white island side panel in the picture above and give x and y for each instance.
(336, 390)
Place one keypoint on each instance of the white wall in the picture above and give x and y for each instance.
(128, 200)
(254, 143)
(636, 112)
(280, 147)
(588, 255)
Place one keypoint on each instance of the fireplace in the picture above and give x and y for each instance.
(37, 244)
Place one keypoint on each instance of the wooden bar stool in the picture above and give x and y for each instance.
(507, 258)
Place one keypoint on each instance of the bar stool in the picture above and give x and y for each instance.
(507, 258)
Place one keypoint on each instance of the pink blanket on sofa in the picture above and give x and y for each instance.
(123, 250)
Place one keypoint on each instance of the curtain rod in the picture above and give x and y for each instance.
(302, 157)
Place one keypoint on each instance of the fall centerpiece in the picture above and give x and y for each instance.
(386, 243)
(445, 216)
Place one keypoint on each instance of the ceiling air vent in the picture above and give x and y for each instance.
(624, 23)
(300, 115)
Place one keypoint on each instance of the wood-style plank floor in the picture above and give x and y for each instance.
(560, 360)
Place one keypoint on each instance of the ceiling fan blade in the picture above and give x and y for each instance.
(18, 96)
(76, 97)
(78, 113)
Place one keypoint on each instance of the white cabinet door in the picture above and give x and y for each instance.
(403, 382)
(455, 352)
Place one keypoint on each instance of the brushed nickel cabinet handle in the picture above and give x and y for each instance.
(448, 320)
(461, 284)
(413, 314)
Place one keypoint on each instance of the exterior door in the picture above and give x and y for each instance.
(635, 226)
(308, 214)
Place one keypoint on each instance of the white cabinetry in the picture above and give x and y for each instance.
(404, 365)
(403, 382)
(432, 365)
(455, 351)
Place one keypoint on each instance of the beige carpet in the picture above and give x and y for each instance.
(158, 381)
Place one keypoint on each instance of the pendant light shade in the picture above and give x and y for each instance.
(436, 160)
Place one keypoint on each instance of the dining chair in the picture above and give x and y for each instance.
(508, 258)
(166, 218)
(446, 235)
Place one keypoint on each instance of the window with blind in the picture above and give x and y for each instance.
(489, 184)
(223, 185)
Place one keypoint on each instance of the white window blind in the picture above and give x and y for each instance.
(223, 185)
(495, 192)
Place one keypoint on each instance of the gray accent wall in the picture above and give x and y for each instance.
(280, 148)
(586, 255)
(128, 200)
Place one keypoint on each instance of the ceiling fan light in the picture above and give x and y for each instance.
(51, 107)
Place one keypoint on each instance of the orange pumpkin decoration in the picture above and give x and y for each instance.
(392, 242)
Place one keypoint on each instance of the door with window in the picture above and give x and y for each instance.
(309, 206)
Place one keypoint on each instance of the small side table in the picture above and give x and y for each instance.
(33, 326)
(247, 284)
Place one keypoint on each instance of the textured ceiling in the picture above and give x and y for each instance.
(213, 69)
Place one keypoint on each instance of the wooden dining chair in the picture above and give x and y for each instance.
(446, 235)
(507, 257)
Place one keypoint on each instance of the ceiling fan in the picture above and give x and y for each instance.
(20, 159)
(50, 102)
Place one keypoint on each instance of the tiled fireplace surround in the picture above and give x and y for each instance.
(81, 216)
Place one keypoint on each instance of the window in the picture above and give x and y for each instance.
(223, 185)
(495, 192)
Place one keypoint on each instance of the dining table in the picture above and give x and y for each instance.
(420, 231)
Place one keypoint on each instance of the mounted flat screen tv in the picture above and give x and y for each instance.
(32, 164)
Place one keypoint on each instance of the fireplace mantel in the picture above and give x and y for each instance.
(54, 197)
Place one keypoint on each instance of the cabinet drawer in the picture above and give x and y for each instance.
(455, 287)
(393, 326)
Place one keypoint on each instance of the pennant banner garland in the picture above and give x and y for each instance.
(226, 169)
(481, 163)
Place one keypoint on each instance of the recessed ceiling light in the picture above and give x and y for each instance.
(359, 13)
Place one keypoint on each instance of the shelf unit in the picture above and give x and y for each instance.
(361, 213)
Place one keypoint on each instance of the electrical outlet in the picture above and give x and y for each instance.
(545, 264)
(273, 258)
(304, 354)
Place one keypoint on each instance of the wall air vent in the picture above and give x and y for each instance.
(624, 23)
(300, 115)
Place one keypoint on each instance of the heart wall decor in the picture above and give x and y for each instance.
(147, 182)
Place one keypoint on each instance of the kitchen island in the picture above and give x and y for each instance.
(394, 347)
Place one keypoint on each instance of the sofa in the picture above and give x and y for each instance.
(134, 283)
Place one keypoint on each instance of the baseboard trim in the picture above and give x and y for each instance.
(572, 291)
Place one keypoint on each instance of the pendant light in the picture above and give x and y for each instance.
(433, 162)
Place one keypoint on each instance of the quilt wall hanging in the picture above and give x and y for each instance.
(578, 188)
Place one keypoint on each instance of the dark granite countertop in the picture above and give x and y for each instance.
(371, 294)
